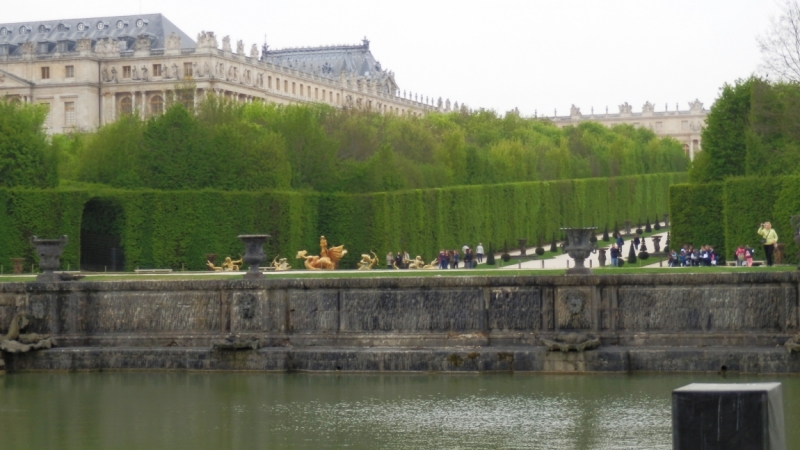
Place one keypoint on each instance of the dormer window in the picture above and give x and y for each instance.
(44, 28)
(81, 26)
(42, 47)
(62, 27)
(4, 31)
(101, 25)
(24, 30)
(122, 24)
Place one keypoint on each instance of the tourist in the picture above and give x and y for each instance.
(479, 252)
(673, 259)
(739, 256)
(636, 243)
(454, 260)
(614, 255)
(468, 258)
(442, 260)
(770, 238)
(620, 243)
(398, 260)
(464, 248)
(389, 260)
(748, 255)
(406, 259)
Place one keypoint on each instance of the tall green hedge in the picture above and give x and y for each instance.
(177, 229)
(696, 215)
(728, 214)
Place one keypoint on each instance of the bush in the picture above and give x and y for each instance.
(490, 257)
(539, 251)
(606, 238)
(631, 255)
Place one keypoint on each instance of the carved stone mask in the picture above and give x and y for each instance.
(574, 303)
(247, 306)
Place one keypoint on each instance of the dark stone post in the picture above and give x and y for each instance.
(728, 416)
(49, 252)
(254, 254)
(795, 221)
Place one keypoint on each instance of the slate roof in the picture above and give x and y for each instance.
(52, 31)
(329, 61)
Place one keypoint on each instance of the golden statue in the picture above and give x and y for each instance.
(368, 263)
(433, 265)
(280, 265)
(328, 258)
(416, 263)
(231, 266)
(211, 266)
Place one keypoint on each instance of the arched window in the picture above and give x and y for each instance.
(156, 105)
(126, 105)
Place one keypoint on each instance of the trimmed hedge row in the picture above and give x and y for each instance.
(727, 214)
(177, 229)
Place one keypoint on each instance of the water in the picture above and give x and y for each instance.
(320, 411)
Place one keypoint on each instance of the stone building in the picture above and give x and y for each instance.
(684, 126)
(89, 71)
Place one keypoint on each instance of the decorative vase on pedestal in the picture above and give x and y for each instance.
(254, 254)
(579, 246)
(49, 252)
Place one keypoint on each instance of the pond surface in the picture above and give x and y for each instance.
(320, 411)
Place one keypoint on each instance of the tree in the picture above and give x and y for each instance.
(724, 147)
(780, 46)
(26, 157)
(631, 254)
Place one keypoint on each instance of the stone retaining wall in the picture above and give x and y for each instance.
(666, 322)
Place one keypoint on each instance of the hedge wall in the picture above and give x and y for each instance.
(177, 229)
(696, 215)
(733, 210)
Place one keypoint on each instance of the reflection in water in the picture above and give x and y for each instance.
(311, 411)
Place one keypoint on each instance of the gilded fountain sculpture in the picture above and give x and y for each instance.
(328, 258)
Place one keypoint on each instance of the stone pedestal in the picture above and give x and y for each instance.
(579, 246)
(728, 416)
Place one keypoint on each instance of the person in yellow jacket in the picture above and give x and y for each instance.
(770, 239)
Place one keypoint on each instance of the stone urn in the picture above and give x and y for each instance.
(49, 252)
(254, 254)
(579, 246)
(601, 257)
(17, 264)
(657, 243)
(523, 246)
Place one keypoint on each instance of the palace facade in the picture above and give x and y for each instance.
(684, 126)
(89, 71)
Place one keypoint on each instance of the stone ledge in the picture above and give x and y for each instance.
(508, 359)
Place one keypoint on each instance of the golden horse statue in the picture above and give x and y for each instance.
(328, 258)
(368, 263)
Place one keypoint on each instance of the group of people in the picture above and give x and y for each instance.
(447, 259)
(688, 256)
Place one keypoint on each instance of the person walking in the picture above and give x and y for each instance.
(479, 252)
(770, 238)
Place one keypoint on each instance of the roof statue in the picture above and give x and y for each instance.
(696, 105)
(226, 44)
(625, 108)
(254, 51)
(143, 42)
(575, 111)
(83, 45)
(240, 47)
(206, 39)
(648, 108)
(173, 42)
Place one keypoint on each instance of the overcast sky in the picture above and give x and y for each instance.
(534, 55)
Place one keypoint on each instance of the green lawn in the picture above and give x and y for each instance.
(417, 273)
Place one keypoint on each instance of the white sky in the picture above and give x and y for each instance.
(534, 55)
